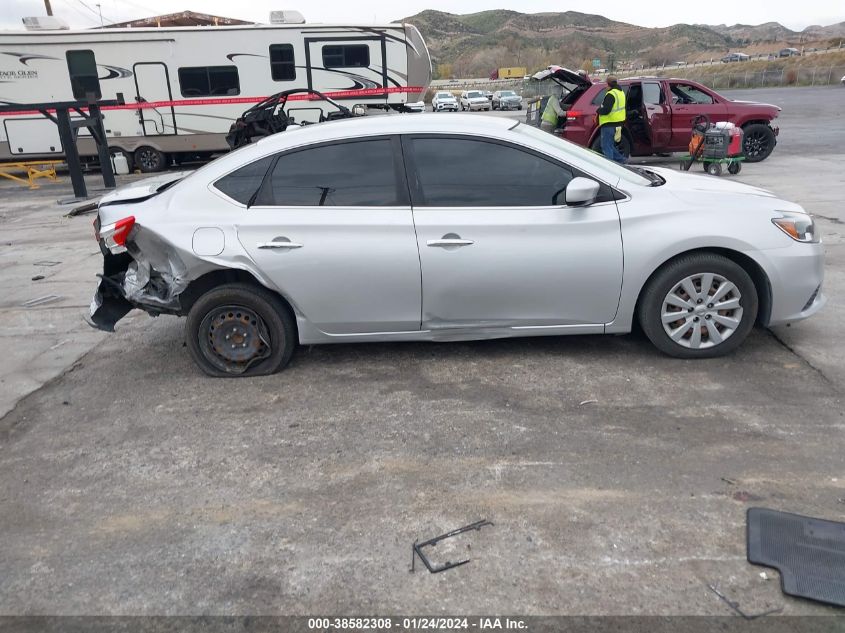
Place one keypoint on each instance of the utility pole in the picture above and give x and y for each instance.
(100, 9)
(48, 7)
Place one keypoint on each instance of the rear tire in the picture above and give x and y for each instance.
(665, 293)
(149, 159)
(238, 330)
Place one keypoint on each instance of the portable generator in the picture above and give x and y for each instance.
(715, 144)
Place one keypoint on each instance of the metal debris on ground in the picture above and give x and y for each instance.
(735, 606)
(416, 549)
(46, 262)
(83, 209)
(38, 278)
(581, 404)
(40, 301)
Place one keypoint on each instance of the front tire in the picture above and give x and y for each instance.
(239, 330)
(759, 142)
(698, 306)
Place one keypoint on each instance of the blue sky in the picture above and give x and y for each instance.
(795, 15)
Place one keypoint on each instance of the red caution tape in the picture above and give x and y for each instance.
(149, 105)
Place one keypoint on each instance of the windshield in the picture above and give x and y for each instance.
(586, 155)
(473, 95)
(445, 95)
(507, 93)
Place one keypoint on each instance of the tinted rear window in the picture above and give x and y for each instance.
(240, 185)
(359, 174)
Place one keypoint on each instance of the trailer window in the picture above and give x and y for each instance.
(346, 56)
(83, 74)
(282, 64)
(209, 81)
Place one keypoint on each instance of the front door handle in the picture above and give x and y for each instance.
(449, 241)
(278, 245)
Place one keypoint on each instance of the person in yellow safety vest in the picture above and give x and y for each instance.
(549, 118)
(611, 118)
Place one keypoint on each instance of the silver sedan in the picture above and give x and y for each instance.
(446, 228)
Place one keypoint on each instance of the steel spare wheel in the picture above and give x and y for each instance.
(234, 337)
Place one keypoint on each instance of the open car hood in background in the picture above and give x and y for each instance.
(569, 79)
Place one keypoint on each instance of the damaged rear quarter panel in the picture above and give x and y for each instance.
(158, 269)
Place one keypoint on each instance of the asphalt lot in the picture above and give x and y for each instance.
(617, 479)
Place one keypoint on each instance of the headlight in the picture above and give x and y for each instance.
(799, 226)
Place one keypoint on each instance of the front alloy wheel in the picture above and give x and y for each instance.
(698, 306)
(701, 311)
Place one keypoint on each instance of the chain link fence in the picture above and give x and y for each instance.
(722, 80)
(814, 76)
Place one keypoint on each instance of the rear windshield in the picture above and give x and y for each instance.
(573, 95)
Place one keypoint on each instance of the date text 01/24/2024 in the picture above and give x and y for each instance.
(416, 624)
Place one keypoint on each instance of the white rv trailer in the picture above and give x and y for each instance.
(184, 86)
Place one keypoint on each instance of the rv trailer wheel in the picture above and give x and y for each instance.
(149, 159)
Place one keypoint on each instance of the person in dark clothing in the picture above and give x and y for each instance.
(611, 118)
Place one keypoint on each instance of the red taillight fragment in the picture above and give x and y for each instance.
(121, 230)
(114, 235)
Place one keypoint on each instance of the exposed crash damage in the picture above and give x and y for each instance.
(140, 269)
(149, 275)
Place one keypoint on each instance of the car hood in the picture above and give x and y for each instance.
(569, 79)
(141, 189)
(756, 103)
(683, 182)
(710, 191)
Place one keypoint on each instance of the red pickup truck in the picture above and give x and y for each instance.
(660, 114)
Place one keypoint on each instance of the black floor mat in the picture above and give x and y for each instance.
(809, 553)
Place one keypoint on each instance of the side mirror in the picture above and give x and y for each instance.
(581, 192)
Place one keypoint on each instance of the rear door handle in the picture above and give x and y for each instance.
(278, 245)
(449, 242)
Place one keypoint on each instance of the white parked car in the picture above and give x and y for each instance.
(447, 228)
(415, 106)
(843, 80)
(444, 101)
(474, 100)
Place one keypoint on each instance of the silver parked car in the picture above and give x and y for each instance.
(445, 228)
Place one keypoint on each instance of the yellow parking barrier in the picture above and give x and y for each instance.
(34, 169)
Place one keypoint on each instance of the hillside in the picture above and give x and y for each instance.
(472, 45)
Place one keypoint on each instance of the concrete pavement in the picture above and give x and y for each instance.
(617, 479)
